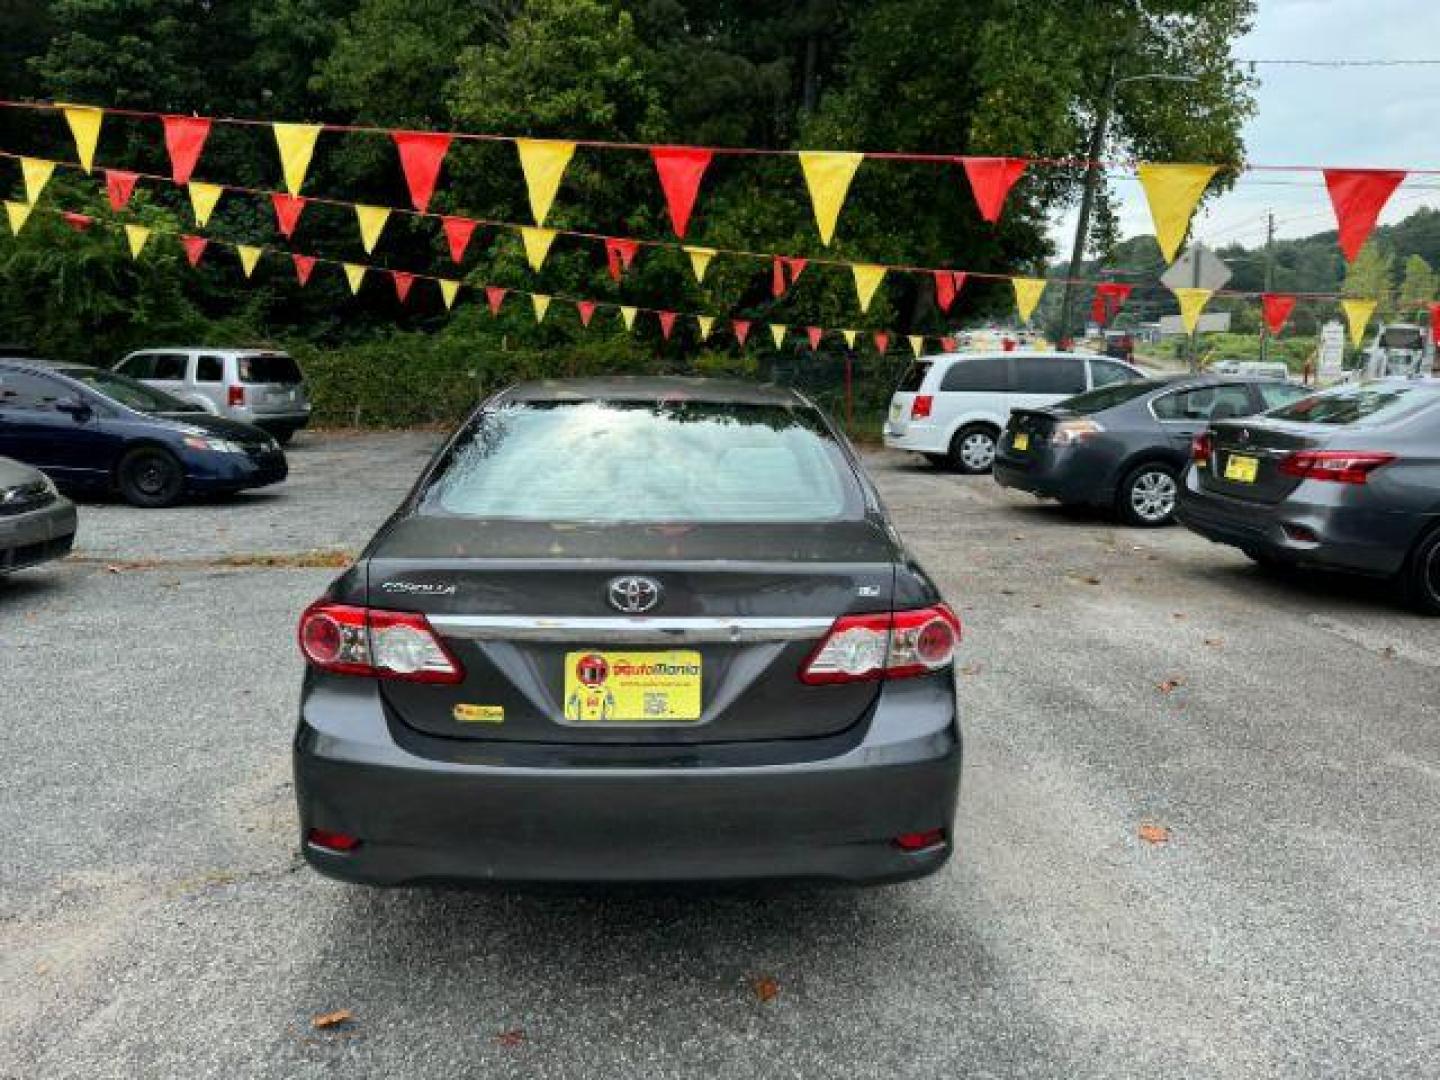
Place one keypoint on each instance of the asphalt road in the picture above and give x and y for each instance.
(154, 920)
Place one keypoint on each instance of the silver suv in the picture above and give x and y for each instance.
(259, 386)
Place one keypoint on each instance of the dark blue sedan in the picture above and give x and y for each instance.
(94, 430)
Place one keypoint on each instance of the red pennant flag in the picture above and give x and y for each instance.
(1435, 323)
(287, 212)
(78, 222)
(119, 186)
(421, 153)
(990, 181)
(194, 248)
(458, 231)
(494, 296)
(681, 169)
(785, 271)
(944, 289)
(1358, 196)
(794, 266)
(184, 139)
(304, 264)
(586, 309)
(741, 328)
(619, 254)
(403, 281)
(667, 323)
(949, 344)
(882, 342)
(1109, 296)
(814, 333)
(1276, 308)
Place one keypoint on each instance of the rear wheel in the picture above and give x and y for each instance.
(1422, 575)
(1148, 494)
(284, 435)
(151, 477)
(973, 449)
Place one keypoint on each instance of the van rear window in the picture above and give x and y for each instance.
(269, 368)
(913, 378)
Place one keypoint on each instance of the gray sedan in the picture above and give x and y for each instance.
(37, 523)
(1346, 480)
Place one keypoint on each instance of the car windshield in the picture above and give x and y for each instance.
(269, 368)
(1375, 403)
(655, 461)
(1107, 397)
(129, 392)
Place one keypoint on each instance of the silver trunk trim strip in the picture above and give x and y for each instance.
(586, 628)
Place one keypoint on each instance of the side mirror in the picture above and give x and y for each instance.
(76, 408)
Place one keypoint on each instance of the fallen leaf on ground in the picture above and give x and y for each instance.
(766, 988)
(1214, 642)
(513, 1037)
(331, 1019)
(1179, 615)
(1090, 579)
(1169, 686)
(1154, 834)
(970, 669)
(1388, 652)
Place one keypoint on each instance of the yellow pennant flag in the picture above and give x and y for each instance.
(850, 336)
(917, 344)
(537, 245)
(354, 274)
(699, 260)
(867, 280)
(1357, 314)
(707, 324)
(1173, 192)
(372, 220)
(18, 213)
(542, 305)
(136, 235)
(203, 198)
(1027, 295)
(627, 316)
(37, 174)
(828, 175)
(543, 162)
(249, 256)
(448, 291)
(777, 333)
(1192, 303)
(296, 143)
(84, 124)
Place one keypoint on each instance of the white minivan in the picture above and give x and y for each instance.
(952, 408)
(258, 386)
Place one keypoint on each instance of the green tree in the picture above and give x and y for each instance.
(1417, 287)
(1372, 276)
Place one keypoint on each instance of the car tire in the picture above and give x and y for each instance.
(972, 450)
(150, 477)
(1422, 574)
(1148, 495)
(283, 436)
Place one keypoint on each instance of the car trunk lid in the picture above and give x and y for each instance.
(1246, 456)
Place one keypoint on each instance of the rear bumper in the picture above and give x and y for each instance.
(918, 437)
(426, 820)
(37, 537)
(1068, 478)
(282, 422)
(1351, 538)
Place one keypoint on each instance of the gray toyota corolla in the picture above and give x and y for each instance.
(631, 630)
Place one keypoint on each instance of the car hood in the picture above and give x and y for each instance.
(13, 474)
(205, 424)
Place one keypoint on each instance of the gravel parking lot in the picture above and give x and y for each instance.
(154, 919)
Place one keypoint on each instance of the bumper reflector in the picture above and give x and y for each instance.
(920, 841)
(332, 841)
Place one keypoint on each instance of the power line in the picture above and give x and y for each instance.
(1300, 62)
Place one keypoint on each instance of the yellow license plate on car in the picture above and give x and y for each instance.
(632, 687)
(1020, 441)
(1242, 469)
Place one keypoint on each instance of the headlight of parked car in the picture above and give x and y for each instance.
(220, 446)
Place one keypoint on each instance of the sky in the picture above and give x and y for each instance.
(1384, 117)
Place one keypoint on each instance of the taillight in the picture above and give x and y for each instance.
(347, 640)
(920, 407)
(1202, 448)
(1073, 431)
(1341, 466)
(885, 646)
(236, 396)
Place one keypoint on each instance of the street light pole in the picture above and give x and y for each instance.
(1092, 176)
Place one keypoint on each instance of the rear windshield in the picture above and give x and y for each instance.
(1107, 397)
(269, 368)
(599, 461)
(1373, 404)
(912, 379)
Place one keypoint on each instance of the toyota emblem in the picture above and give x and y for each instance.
(634, 595)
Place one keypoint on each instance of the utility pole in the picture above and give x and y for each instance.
(1087, 198)
(1269, 280)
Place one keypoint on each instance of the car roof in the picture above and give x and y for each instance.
(650, 387)
(212, 349)
(991, 354)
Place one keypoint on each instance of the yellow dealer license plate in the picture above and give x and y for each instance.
(1242, 469)
(1021, 441)
(632, 687)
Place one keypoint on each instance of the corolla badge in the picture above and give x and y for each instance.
(633, 595)
(418, 588)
